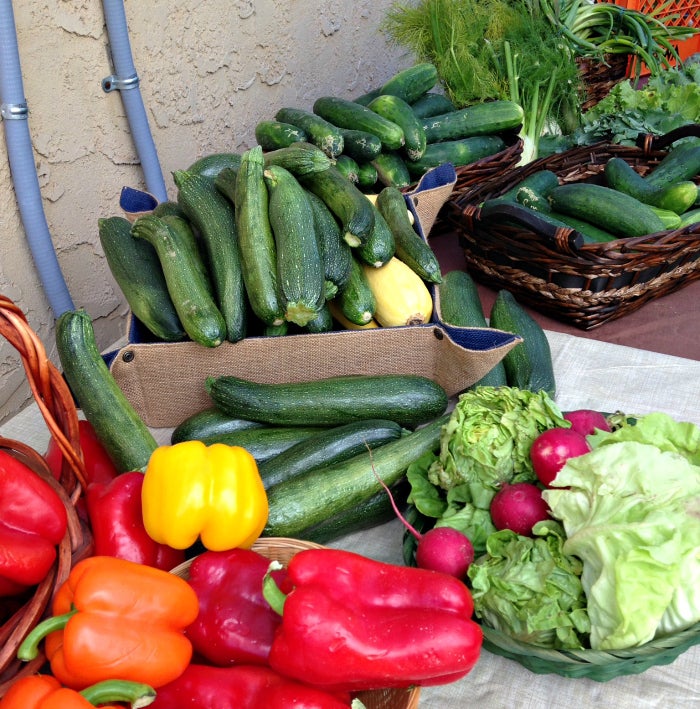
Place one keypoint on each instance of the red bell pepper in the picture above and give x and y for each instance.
(242, 687)
(352, 623)
(114, 509)
(235, 623)
(33, 520)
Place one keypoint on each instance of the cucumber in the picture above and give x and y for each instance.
(211, 165)
(361, 145)
(485, 118)
(690, 218)
(591, 234)
(407, 399)
(529, 364)
(348, 167)
(381, 244)
(682, 162)
(208, 423)
(392, 170)
(276, 134)
(411, 248)
(135, 266)
(126, 438)
(355, 299)
(319, 495)
(458, 152)
(345, 200)
(350, 114)
(364, 99)
(185, 275)
(367, 175)
(411, 83)
(672, 220)
(432, 104)
(300, 269)
(320, 132)
(213, 217)
(606, 208)
(460, 306)
(327, 447)
(529, 197)
(396, 110)
(541, 181)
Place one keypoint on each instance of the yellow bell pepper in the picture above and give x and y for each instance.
(215, 493)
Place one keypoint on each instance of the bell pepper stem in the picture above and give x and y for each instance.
(136, 694)
(271, 591)
(29, 648)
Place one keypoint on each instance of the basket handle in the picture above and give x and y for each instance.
(563, 238)
(650, 142)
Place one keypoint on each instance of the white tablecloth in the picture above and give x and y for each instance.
(589, 374)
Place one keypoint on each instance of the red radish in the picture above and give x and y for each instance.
(552, 448)
(586, 421)
(518, 507)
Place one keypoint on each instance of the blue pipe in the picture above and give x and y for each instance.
(126, 81)
(22, 168)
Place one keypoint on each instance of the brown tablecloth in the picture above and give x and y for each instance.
(668, 325)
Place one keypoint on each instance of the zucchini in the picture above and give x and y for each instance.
(529, 364)
(256, 240)
(485, 118)
(407, 399)
(185, 275)
(355, 299)
(208, 423)
(344, 199)
(460, 306)
(327, 447)
(211, 165)
(391, 170)
(168, 208)
(276, 330)
(276, 134)
(345, 324)
(318, 495)
(213, 217)
(411, 248)
(349, 114)
(335, 251)
(458, 152)
(135, 266)
(320, 132)
(126, 438)
(300, 270)
(432, 104)
(396, 110)
(299, 158)
(604, 207)
(682, 162)
(348, 167)
(367, 175)
(411, 83)
(323, 322)
(361, 145)
(380, 245)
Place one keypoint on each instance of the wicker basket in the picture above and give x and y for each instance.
(544, 268)
(58, 409)
(600, 76)
(491, 166)
(282, 549)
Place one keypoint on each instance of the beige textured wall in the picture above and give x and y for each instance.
(208, 72)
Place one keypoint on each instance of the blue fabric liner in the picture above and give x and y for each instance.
(133, 201)
(439, 176)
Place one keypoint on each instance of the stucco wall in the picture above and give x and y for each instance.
(209, 71)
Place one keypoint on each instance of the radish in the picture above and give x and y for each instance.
(518, 507)
(586, 421)
(552, 448)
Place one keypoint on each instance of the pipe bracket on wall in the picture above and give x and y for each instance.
(14, 111)
(114, 83)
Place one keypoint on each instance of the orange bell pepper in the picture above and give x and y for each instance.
(46, 692)
(116, 619)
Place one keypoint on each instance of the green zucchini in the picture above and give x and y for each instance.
(360, 145)
(208, 423)
(276, 134)
(126, 438)
(276, 330)
(407, 399)
(185, 275)
(367, 175)
(323, 322)
(614, 211)
(327, 447)
(348, 167)
(213, 217)
(412, 82)
(432, 104)
(299, 158)
(396, 110)
(682, 162)
(392, 170)
(320, 132)
(349, 114)
(355, 298)
(212, 165)
(464, 151)
(136, 268)
(486, 118)
(529, 364)
(318, 495)
(460, 306)
(168, 208)
(300, 269)
(411, 248)
(346, 202)
(381, 244)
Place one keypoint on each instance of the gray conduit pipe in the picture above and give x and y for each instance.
(22, 167)
(126, 81)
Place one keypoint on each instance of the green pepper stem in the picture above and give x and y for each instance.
(271, 591)
(29, 649)
(118, 690)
